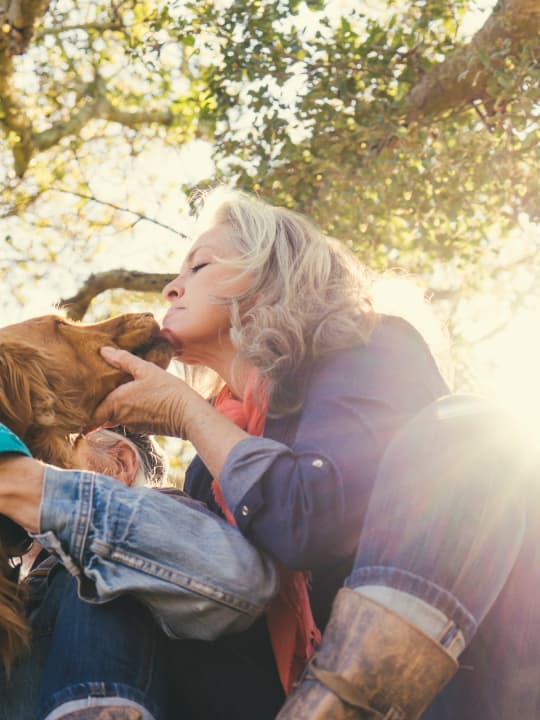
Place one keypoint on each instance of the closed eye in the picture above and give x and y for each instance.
(199, 266)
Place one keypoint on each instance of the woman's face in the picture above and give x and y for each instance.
(197, 326)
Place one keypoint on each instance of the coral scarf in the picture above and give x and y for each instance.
(293, 633)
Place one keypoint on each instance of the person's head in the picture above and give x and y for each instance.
(270, 286)
(131, 458)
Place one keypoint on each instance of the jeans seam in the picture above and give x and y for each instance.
(83, 691)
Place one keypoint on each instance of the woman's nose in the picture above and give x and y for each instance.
(173, 290)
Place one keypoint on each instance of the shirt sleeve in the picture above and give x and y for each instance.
(9, 442)
(304, 502)
(198, 575)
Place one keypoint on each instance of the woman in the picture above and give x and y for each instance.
(311, 386)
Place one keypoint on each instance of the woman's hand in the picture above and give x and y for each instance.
(21, 484)
(152, 402)
(157, 402)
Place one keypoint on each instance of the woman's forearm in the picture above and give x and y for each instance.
(212, 434)
(21, 483)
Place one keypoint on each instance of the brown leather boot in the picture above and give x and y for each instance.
(372, 664)
(117, 712)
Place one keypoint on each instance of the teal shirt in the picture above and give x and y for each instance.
(9, 442)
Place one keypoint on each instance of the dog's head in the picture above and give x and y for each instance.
(52, 376)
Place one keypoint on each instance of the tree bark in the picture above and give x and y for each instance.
(18, 19)
(97, 283)
(463, 76)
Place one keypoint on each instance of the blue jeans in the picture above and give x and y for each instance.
(184, 563)
(446, 523)
(19, 694)
(100, 651)
(83, 653)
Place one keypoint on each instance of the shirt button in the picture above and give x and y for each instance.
(318, 463)
(244, 510)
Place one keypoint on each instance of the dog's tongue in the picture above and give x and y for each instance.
(173, 342)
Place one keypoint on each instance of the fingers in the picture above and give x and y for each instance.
(118, 406)
(100, 419)
(112, 409)
(123, 360)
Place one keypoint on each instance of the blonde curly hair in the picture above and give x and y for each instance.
(310, 295)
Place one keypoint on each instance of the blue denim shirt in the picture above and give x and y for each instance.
(300, 492)
(199, 576)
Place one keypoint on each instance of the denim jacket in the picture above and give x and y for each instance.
(198, 575)
(183, 562)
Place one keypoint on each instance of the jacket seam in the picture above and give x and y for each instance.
(185, 581)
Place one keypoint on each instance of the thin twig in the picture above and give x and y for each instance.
(138, 215)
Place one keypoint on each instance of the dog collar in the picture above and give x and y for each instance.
(9, 442)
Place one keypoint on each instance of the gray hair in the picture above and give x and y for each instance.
(310, 294)
(152, 468)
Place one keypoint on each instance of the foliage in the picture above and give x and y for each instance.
(320, 118)
(390, 126)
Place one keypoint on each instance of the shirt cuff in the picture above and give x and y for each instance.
(65, 513)
(244, 467)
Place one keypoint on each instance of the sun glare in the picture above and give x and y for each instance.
(512, 375)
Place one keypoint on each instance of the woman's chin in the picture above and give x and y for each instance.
(173, 341)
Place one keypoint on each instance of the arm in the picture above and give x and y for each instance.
(304, 503)
(198, 575)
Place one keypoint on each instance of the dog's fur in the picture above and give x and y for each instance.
(52, 378)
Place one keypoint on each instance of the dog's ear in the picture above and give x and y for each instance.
(14, 635)
(25, 396)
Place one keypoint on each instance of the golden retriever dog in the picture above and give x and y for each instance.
(52, 378)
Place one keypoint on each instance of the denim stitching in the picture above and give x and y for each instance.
(82, 516)
(185, 581)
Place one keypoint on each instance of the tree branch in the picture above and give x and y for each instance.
(97, 106)
(132, 118)
(17, 20)
(463, 76)
(113, 26)
(99, 282)
(50, 137)
(138, 215)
